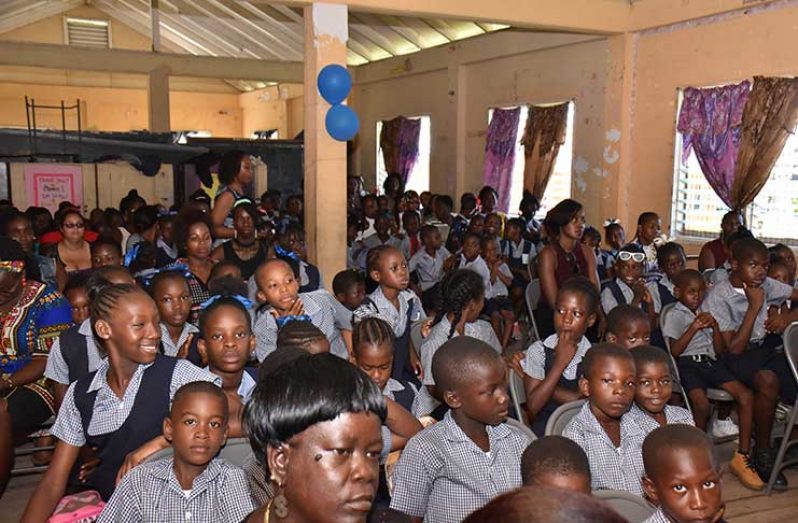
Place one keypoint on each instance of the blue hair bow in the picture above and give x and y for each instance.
(283, 320)
(284, 253)
(147, 275)
(237, 297)
(132, 254)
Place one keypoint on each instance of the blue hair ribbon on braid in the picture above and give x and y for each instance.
(283, 320)
(285, 254)
(132, 254)
(237, 297)
(147, 275)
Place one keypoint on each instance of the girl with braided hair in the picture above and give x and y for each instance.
(119, 408)
(462, 299)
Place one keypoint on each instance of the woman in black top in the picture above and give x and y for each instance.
(245, 249)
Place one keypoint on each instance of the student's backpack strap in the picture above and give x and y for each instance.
(74, 349)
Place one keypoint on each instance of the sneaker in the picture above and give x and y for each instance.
(724, 428)
(742, 467)
(763, 462)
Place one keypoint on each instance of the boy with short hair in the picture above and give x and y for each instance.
(471, 258)
(722, 273)
(349, 287)
(654, 388)
(671, 260)
(427, 264)
(682, 455)
(740, 306)
(696, 342)
(192, 485)
(608, 435)
(457, 465)
(558, 462)
(628, 326)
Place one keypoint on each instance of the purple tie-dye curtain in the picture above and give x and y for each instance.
(399, 141)
(710, 122)
(500, 153)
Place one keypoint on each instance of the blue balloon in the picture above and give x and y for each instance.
(334, 83)
(342, 123)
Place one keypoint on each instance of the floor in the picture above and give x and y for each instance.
(742, 505)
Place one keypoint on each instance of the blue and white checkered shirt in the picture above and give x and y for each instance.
(57, 368)
(109, 411)
(152, 493)
(673, 416)
(658, 517)
(169, 346)
(611, 468)
(443, 475)
(381, 307)
(325, 312)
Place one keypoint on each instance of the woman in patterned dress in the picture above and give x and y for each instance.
(32, 316)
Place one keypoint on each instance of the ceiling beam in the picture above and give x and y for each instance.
(583, 16)
(142, 62)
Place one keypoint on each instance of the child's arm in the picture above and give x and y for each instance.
(539, 392)
(736, 341)
(403, 425)
(138, 456)
(506, 277)
(413, 479)
(701, 321)
(718, 343)
(52, 485)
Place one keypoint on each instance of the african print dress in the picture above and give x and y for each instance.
(29, 330)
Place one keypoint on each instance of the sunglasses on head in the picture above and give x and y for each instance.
(639, 257)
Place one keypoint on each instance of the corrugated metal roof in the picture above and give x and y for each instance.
(240, 28)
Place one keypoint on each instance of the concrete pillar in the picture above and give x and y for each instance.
(456, 75)
(158, 100)
(326, 33)
(616, 166)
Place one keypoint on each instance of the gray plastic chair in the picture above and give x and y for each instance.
(714, 395)
(561, 416)
(237, 451)
(521, 426)
(532, 296)
(633, 508)
(415, 336)
(791, 351)
(517, 393)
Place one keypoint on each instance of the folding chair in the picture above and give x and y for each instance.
(632, 507)
(791, 351)
(532, 295)
(521, 426)
(29, 449)
(517, 394)
(714, 395)
(561, 416)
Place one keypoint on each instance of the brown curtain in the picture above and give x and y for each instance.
(389, 142)
(543, 136)
(769, 118)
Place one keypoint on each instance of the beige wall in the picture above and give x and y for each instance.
(724, 50)
(105, 184)
(624, 83)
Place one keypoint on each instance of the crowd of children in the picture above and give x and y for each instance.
(187, 313)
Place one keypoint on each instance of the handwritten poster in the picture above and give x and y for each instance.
(47, 185)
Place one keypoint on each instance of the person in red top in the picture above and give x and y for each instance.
(562, 258)
(712, 254)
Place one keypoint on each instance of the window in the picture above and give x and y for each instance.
(559, 186)
(418, 180)
(772, 217)
(182, 136)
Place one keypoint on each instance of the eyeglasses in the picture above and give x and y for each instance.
(74, 225)
(639, 257)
